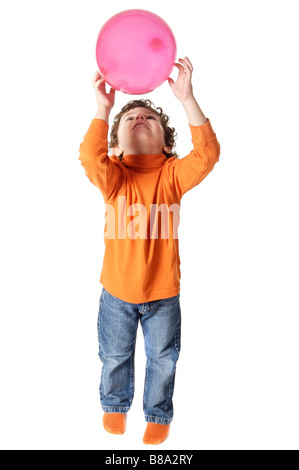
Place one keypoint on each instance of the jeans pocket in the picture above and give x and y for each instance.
(170, 300)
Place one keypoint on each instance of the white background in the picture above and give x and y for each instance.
(237, 383)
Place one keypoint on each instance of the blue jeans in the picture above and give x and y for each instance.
(117, 328)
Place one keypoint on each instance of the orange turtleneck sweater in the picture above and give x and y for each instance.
(142, 196)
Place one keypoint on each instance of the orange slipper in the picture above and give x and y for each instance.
(115, 423)
(156, 433)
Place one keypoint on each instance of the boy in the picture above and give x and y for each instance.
(142, 184)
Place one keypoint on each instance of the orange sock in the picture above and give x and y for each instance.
(115, 423)
(156, 433)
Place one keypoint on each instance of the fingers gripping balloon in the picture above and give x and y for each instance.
(135, 51)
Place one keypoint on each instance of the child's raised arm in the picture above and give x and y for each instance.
(183, 90)
(187, 172)
(105, 100)
(99, 168)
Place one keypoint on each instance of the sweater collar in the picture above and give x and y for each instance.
(155, 160)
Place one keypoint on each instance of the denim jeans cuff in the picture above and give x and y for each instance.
(157, 419)
(115, 409)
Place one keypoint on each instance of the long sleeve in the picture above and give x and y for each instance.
(187, 172)
(100, 169)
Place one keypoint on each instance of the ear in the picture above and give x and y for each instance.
(167, 149)
(117, 151)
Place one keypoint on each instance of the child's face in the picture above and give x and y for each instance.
(140, 132)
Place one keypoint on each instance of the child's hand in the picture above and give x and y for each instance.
(103, 98)
(182, 88)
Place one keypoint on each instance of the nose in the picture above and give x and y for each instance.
(140, 116)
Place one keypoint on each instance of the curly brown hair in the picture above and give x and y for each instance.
(169, 132)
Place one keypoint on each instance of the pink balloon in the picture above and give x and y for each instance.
(135, 51)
